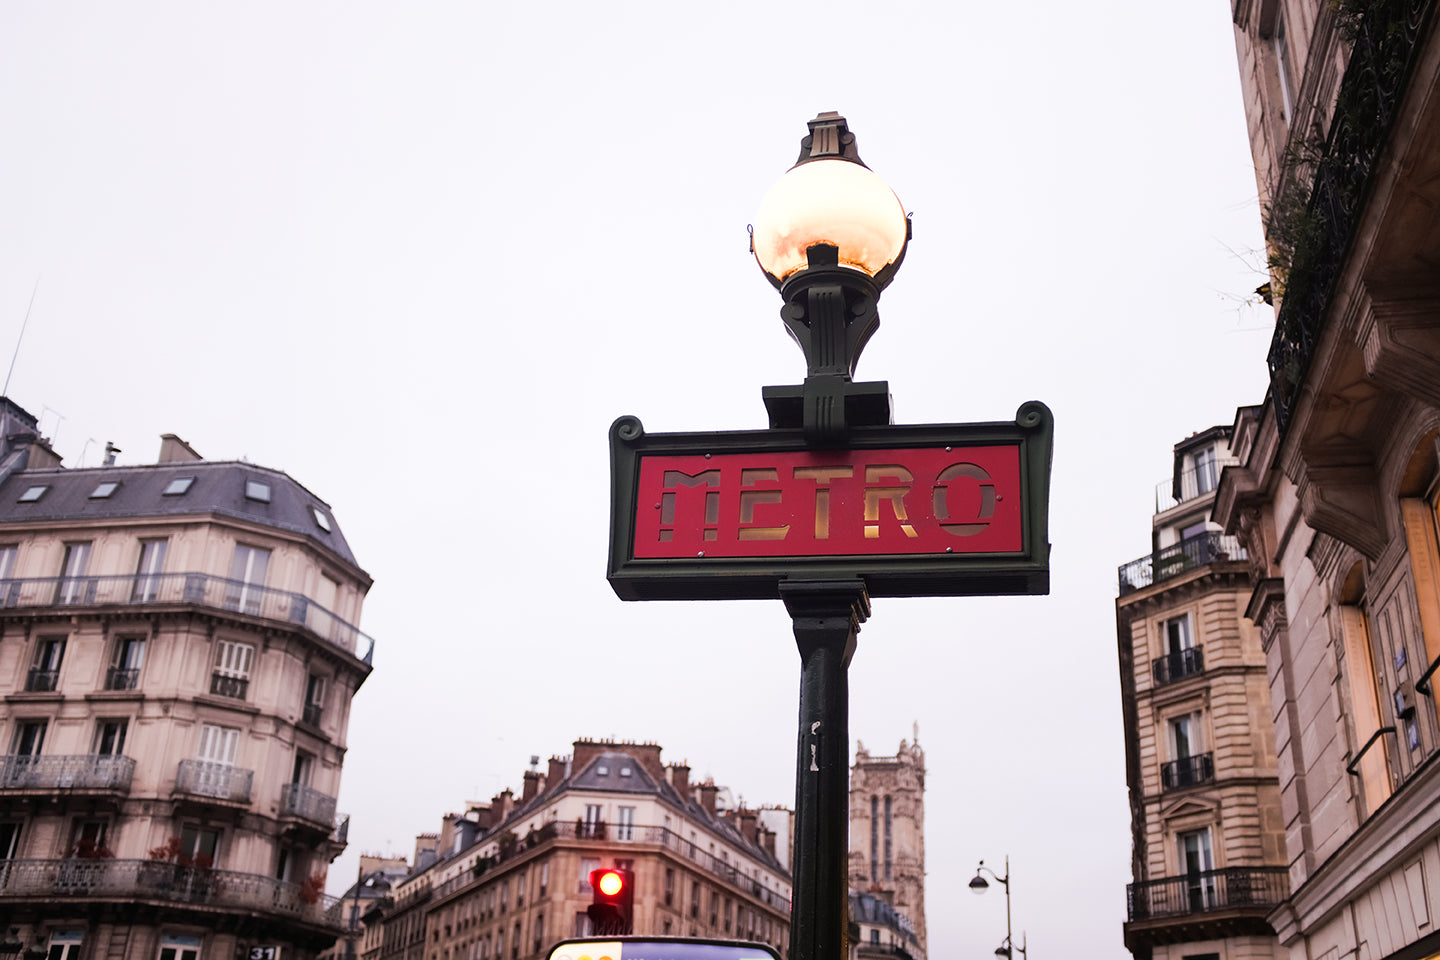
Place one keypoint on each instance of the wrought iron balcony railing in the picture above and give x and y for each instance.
(1188, 771)
(41, 681)
(233, 687)
(1386, 42)
(1179, 665)
(206, 778)
(662, 836)
(1228, 889)
(311, 714)
(1171, 561)
(119, 678)
(202, 589)
(1193, 484)
(297, 800)
(67, 772)
(132, 880)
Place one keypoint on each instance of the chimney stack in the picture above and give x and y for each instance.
(680, 779)
(708, 790)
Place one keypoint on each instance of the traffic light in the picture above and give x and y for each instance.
(613, 911)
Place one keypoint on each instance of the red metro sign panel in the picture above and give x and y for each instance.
(890, 501)
(927, 510)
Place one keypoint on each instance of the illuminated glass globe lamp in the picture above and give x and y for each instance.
(830, 235)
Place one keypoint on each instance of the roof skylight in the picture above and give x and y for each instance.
(178, 486)
(103, 490)
(322, 521)
(34, 493)
(257, 490)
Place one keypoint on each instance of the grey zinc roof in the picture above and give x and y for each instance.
(219, 488)
(639, 781)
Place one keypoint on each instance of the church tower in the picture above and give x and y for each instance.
(887, 828)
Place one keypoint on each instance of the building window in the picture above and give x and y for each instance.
(594, 826)
(714, 908)
(179, 947)
(539, 930)
(218, 747)
(874, 839)
(587, 867)
(626, 827)
(314, 699)
(582, 925)
(544, 877)
(103, 490)
(257, 490)
(110, 737)
(504, 896)
(1197, 864)
(247, 579)
(232, 669)
(321, 520)
(199, 846)
(28, 742)
(124, 672)
(44, 674)
(9, 840)
(889, 807)
(695, 898)
(73, 587)
(729, 910)
(515, 942)
(1181, 658)
(34, 493)
(65, 945)
(303, 769)
(1189, 764)
(87, 839)
(148, 571)
(1283, 69)
(874, 937)
(1206, 475)
(669, 886)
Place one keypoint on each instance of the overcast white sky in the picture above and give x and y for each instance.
(420, 255)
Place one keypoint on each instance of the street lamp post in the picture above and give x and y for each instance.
(980, 885)
(829, 236)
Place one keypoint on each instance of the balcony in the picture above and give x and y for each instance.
(219, 781)
(189, 589)
(1187, 772)
(41, 681)
(118, 678)
(1179, 665)
(1197, 893)
(158, 880)
(1190, 484)
(233, 687)
(60, 772)
(311, 714)
(1171, 561)
(297, 800)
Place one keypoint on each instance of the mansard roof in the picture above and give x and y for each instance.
(218, 488)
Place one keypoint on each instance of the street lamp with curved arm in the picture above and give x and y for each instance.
(979, 885)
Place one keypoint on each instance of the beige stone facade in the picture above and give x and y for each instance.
(509, 878)
(887, 841)
(1335, 493)
(177, 661)
(1208, 847)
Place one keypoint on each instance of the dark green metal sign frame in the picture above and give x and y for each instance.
(1021, 572)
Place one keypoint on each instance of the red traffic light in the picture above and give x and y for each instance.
(613, 909)
(610, 882)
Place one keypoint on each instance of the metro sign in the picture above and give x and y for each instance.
(933, 510)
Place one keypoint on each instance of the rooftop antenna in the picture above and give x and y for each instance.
(23, 325)
(83, 449)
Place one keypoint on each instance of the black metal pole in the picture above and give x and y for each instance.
(826, 616)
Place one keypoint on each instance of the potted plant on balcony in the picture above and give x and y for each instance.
(180, 875)
(79, 871)
(312, 888)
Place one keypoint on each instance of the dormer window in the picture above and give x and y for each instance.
(257, 490)
(103, 490)
(602, 771)
(624, 771)
(321, 521)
